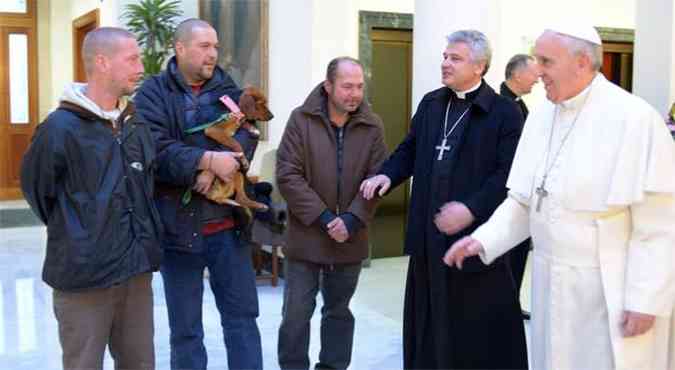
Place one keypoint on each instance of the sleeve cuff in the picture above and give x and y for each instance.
(325, 218)
(352, 223)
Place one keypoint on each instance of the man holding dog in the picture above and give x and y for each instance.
(199, 233)
(331, 143)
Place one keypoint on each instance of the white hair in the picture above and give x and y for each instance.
(477, 43)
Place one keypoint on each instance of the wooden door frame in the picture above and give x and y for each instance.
(22, 23)
(79, 24)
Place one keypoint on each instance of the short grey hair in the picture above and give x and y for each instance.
(477, 43)
(516, 63)
(333, 65)
(578, 46)
(102, 40)
(186, 28)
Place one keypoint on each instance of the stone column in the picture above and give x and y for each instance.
(654, 53)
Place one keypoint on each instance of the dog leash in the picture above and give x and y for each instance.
(221, 118)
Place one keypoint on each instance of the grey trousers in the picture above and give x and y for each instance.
(119, 317)
(303, 280)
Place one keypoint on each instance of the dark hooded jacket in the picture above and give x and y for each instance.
(92, 185)
(167, 104)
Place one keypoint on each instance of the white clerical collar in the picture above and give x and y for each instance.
(462, 94)
(576, 101)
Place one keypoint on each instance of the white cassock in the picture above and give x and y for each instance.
(604, 237)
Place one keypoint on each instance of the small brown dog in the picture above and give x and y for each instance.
(253, 105)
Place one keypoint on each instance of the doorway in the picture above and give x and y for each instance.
(617, 63)
(617, 56)
(18, 90)
(81, 27)
(391, 100)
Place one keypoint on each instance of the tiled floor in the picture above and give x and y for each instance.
(28, 333)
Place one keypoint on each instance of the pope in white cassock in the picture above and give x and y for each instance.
(593, 184)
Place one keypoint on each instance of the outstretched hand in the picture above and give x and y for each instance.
(461, 249)
(369, 186)
(635, 323)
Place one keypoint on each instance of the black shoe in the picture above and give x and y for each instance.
(525, 315)
(320, 366)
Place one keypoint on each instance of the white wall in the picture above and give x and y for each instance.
(290, 60)
(429, 37)
(61, 14)
(300, 50)
(512, 28)
(532, 16)
(336, 28)
(653, 69)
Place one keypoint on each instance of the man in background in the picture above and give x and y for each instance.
(521, 74)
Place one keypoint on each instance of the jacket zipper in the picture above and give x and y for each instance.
(340, 149)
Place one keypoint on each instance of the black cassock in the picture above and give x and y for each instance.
(468, 319)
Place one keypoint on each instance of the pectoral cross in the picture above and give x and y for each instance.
(442, 148)
(541, 194)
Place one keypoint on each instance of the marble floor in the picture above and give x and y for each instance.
(28, 332)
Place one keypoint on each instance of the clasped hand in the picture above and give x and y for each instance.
(338, 230)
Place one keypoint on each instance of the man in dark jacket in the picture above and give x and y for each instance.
(199, 233)
(521, 74)
(459, 150)
(88, 175)
(331, 143)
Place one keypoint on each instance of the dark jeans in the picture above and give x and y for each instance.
(302, 282)
(119, 317)
(232, 281)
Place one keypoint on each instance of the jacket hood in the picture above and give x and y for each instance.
(74, 94)
(317, 101)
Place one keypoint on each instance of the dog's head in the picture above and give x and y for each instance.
(253, 104)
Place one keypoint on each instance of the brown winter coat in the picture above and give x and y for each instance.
(307, 178)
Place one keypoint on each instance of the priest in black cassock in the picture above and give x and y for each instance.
(459, 150)
(521, 74)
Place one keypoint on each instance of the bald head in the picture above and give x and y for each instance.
(102, 41)
(186, 29)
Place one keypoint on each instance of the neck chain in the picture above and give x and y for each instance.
(444, 144)
(541, 190)
(447, 133)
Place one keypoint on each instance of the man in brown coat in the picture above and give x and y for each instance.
(331, 143)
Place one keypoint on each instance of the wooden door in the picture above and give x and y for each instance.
(617, 63)
(81, 27)
(18, 90)
(390, 93)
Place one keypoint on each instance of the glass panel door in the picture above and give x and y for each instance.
(13, 6)
(18, 78)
